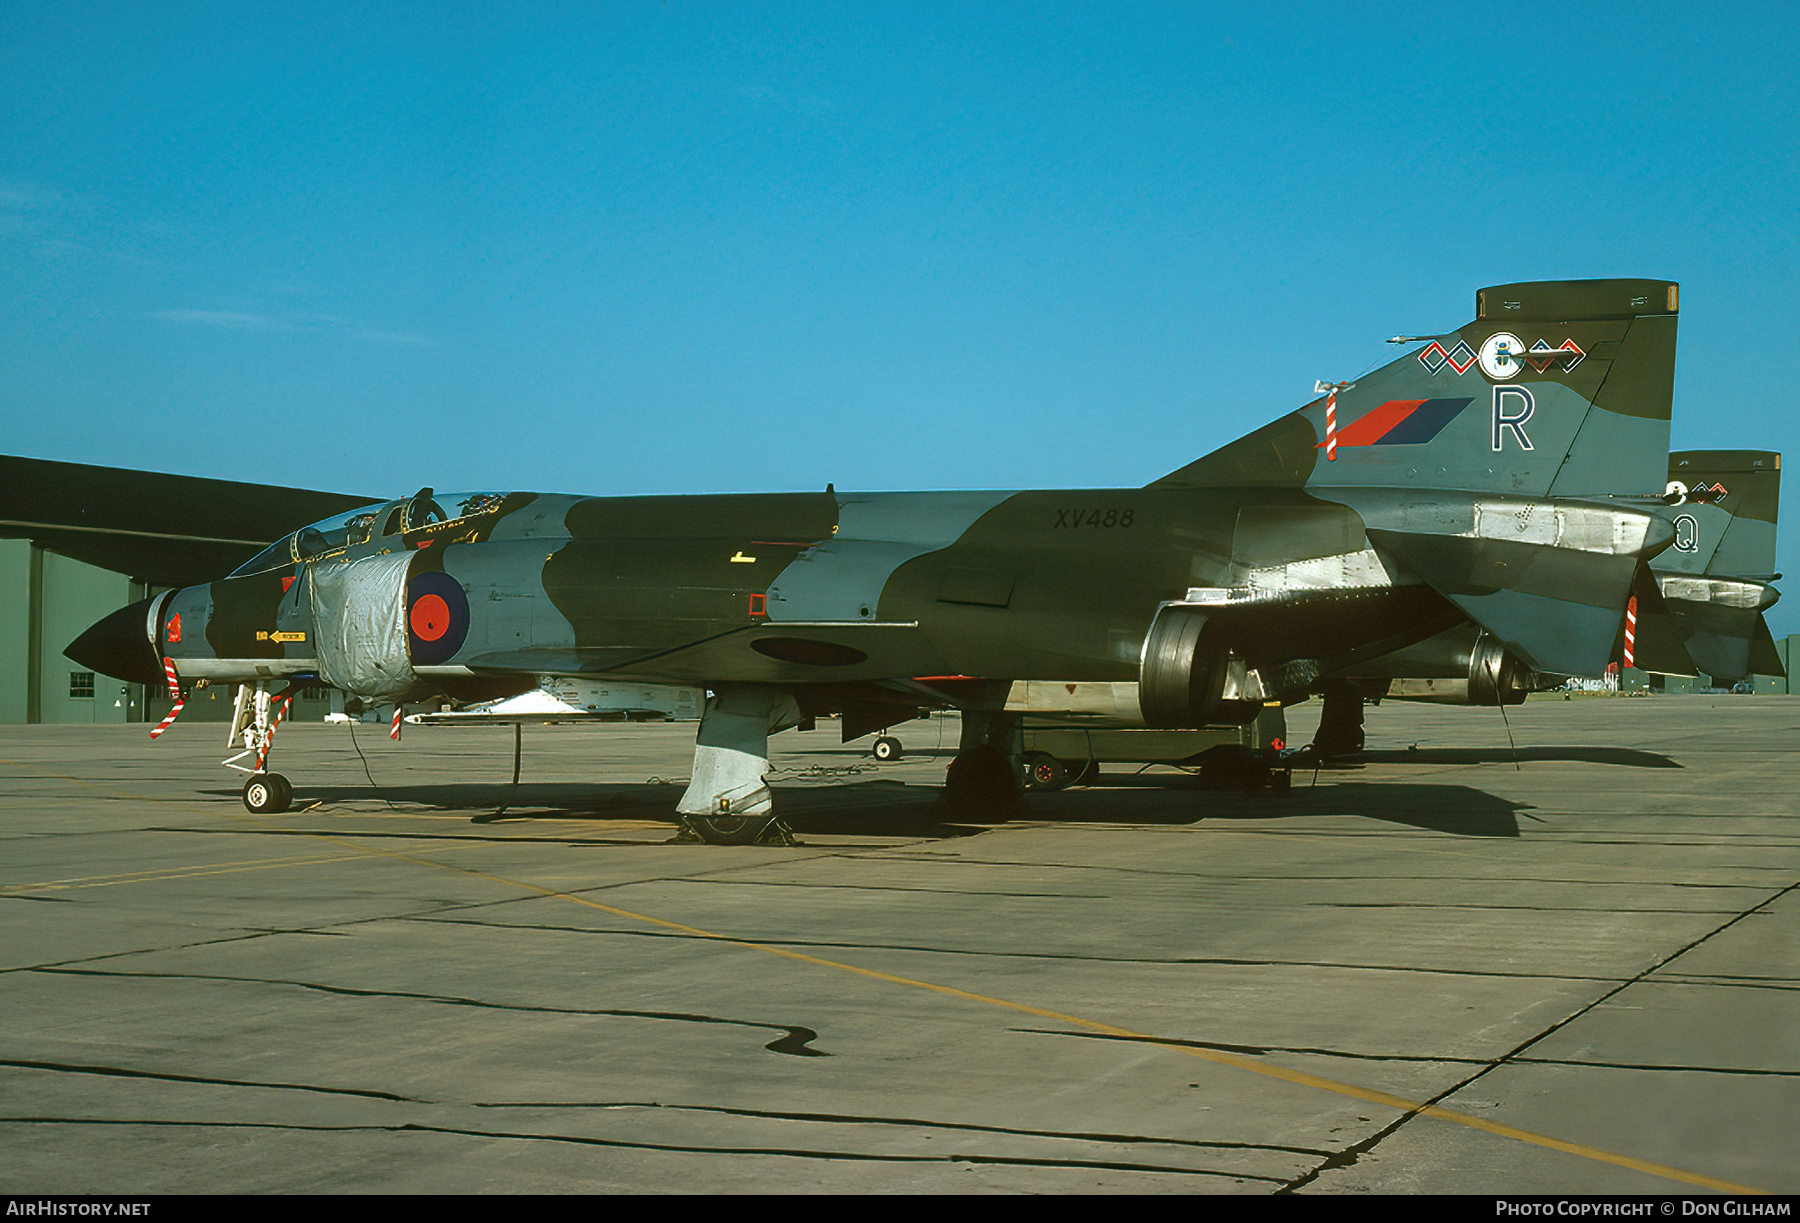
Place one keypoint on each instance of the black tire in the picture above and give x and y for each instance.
(1045, 772)
(1231, 767)
(887, 748)
(982, 782)
(729, 829)
(267, 794)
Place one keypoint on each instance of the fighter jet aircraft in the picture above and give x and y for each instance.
(1505, 474)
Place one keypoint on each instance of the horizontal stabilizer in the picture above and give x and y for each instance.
(1549, 578)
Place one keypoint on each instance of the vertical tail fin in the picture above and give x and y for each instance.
(1714, 579)
(1726, 527)
(1557, 388)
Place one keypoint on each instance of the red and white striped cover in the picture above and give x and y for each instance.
(174, 691)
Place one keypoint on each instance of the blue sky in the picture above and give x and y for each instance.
(672, 247)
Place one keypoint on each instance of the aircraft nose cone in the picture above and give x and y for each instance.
(120, 646)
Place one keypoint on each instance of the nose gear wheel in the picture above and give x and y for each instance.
(267, 794)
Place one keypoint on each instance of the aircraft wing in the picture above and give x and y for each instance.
(159, 529)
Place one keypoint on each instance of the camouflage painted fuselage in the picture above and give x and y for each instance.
(821, 587)
(1505, 475)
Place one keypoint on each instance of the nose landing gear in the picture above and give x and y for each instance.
(267, 794)
(254, 722)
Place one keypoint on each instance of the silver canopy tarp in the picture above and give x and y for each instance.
(359, 612)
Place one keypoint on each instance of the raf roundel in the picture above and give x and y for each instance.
(430, 617)
(437, 617)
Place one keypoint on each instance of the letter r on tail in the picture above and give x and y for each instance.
(1513, 406)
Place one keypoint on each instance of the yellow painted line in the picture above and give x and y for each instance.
(174, 872)
(195, 871)
(1236, 1061)
(1298, 1077)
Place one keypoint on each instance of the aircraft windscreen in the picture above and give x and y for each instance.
(469, 504)
(321, 538)
(427, 508)
(335, 534)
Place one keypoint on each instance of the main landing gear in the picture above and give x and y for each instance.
(1340, 730)
(727, 802)
(984, 779)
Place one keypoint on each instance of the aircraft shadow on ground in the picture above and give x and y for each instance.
(870, 808)
(1625, 757)
(1163, 799)
(889, 808)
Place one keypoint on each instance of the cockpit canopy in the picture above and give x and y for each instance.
(338, 534)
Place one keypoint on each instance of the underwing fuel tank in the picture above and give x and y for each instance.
(1464, 666)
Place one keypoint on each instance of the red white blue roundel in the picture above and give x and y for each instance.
(437, 618)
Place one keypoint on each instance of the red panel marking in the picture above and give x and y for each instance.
(1369, 428)
(175, 627)
(430, 617)
(759, 605)
(287, 583)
